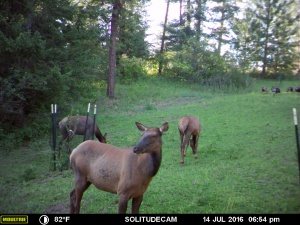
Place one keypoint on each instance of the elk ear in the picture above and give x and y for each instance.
(140, 126)
(164, 127)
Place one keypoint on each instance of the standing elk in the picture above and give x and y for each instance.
(123, 171)
(188, 126)
(75, 125)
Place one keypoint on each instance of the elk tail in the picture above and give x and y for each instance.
(184, 125)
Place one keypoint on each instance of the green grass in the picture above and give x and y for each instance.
(247, 153)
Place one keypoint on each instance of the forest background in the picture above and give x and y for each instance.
(56, 51)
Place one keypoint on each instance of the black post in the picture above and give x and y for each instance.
(94, 122)
(297, 137)
(53, 120)
(86, 122)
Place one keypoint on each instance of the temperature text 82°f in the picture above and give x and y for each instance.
(61, 219)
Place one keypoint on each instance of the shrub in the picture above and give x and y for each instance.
(195, 63)
(130, 69)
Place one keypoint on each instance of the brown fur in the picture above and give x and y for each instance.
(126, 172)
(188, 126)
(75, 125)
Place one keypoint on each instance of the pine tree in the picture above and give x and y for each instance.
(275, 30)
(178, 32)
(245, 44)
(199, 16)
(46, 49)
(223, 14)
(116, 11)
(163, 38)
(133, 31)
(127, 33)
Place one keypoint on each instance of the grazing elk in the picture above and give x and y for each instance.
(75, 125)
(126, 172)
(264, 89)
(275, 89)
(189, 130)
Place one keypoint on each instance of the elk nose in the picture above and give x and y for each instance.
(135, 149)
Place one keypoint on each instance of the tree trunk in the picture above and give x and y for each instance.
(263, 72)
(163, 39)
(180, 13)
(188, 14)
(220, 39)
(112, 48)
(198, 20)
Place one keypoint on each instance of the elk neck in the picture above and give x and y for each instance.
(150, 162)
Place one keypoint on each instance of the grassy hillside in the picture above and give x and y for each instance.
(247, 153)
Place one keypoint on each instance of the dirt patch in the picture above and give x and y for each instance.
(60, 208)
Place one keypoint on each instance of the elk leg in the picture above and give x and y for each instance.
(59, 145)
(184, 147)
(181, 140)
(182, 155)
(70, 137)
(72, 201)
(186, 143)
(136, 203)
(80, 187)
(181, 148)
(194, 146)
(123, 202)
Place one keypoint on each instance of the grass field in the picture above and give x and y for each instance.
(247, 153)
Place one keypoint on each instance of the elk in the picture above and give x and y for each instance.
(275, 89)
(123, 171)
(264, 89)
(189, 130)
(75, 125)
